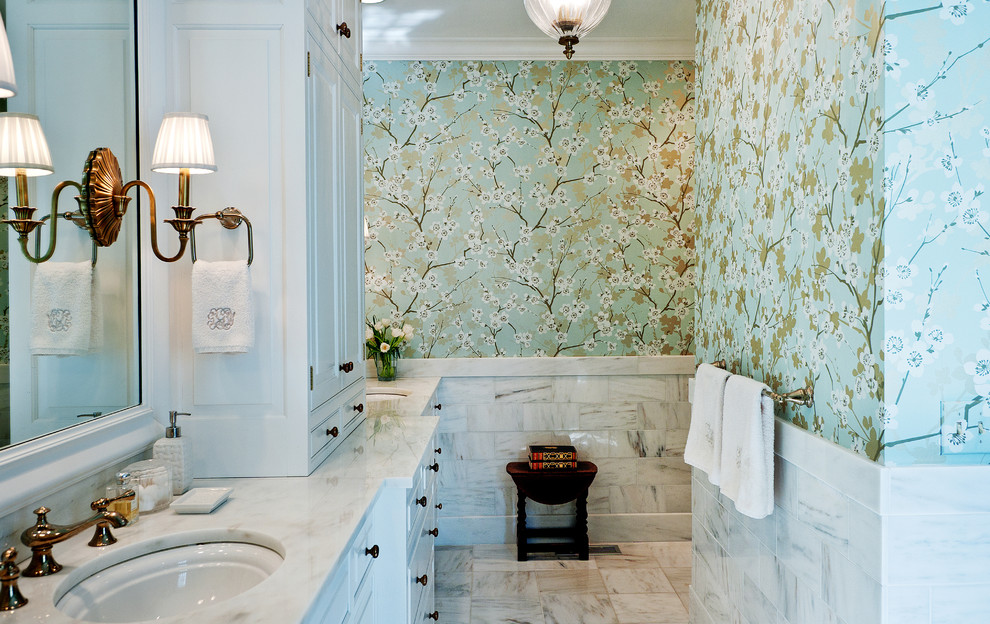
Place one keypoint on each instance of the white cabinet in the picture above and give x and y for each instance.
(280, 86)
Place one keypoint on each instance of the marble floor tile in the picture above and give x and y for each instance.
(636, 581)
(570, 581)
(578, 609)
(453, 560)
(487, 584)
(672, 554)
(680, 578)
(626, 561)
(533, 565)
(649, 609)
(506, 610)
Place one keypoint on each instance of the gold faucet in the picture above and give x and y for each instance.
(42, 536)
(10, 596)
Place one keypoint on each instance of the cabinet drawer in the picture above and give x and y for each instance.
(334, 597)
(360, 559)
(354, 407)
(420, 566)
(363, 611)
(327, 433)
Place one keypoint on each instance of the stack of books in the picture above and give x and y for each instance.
(549, 457)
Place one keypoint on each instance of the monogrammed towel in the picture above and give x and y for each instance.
(62, 308)
(222, 310)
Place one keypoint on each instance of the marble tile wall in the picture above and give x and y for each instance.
(815, 560)
(632, 425)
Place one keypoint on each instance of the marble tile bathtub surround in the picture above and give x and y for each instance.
(633, 426)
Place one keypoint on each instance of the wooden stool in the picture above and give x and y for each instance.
(553, 487)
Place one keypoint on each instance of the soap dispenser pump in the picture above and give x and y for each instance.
(175, 452)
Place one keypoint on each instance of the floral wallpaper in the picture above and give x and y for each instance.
(532, 208)
(790, 129)
(937, 267)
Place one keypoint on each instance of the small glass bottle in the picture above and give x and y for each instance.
(126, 508)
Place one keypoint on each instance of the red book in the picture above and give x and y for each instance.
(545, 453)
(552, 465)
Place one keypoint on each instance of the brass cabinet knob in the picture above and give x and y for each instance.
(421, 501)
(344, 30)
(423, 580)
(359, 408)
(434, 532)
(333, 433)
(346, 367)
(438, 406)
(435, 467)
(439, 505)
(435, 616)
(373, 551)
(438, 450)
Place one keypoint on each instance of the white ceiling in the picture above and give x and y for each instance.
(501, 30)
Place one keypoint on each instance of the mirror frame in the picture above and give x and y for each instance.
(45, 465)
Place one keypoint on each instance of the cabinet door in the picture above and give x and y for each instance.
(349, 48)
(326, 304)
(352, 233)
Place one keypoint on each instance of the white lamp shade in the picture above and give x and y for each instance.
(8, 86)
(572, 18)
(23, 148)
(184, 143)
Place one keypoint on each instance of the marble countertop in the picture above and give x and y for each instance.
(312, 518)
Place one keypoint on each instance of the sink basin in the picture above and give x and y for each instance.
(174, 575)
(387, 394)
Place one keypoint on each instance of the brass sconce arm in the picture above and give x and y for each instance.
(183, 236)
(23, 224)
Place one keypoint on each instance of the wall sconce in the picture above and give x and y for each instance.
(8, 86)
(567, 20)
(183, 147)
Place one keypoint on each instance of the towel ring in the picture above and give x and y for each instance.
(76, 218)
(229, 218)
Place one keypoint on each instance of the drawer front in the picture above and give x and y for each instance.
(354, 407)
(360, 560)
(421, 565)
(427, 599)
(334, 609)
(363, 611)
(322, 438)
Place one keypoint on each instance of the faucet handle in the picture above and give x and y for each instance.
(103, 536)
(10, 596)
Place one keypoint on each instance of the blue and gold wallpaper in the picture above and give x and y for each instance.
(791, 216)
(532, 208)
(937, 268)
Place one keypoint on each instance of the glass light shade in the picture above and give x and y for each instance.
(23, 148)
(8, 86)
(184, 143)
(566, 18)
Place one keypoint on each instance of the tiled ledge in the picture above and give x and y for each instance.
(543, 367)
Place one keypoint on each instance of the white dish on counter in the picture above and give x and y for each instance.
(201, 500)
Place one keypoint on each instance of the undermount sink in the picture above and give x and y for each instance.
(385, 393)
(174, 575)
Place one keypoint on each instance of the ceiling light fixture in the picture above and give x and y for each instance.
(567, 21)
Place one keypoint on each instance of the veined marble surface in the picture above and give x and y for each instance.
(311, 517)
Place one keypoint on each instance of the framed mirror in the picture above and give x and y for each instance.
(75, 66)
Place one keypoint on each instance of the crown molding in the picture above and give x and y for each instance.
(526, 48)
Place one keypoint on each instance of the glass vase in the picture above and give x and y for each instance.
(385, 365)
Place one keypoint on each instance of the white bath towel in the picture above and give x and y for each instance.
(704, 443)
(62, 308)
(747, 447)
(222, 309)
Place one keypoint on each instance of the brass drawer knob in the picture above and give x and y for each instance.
(435, 467)
(346, 367)
(439, 505)
(344, 30)
(373, 551)
(435, 616)
(359, 408)
(421, 501)
(333, 433)
(434, 532)
(423, 580)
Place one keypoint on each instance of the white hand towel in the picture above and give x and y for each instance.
(62, 308)
(222, 309)
(704, 443)
(96, 324)
(747, 447)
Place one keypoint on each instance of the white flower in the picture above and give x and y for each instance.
(369, 334)
(385, 347)
(979, 370)
(407, 330)
(954, 436)
(955, 11)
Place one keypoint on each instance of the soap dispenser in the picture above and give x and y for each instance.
(174, 451)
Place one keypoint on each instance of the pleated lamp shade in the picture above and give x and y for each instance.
(8, 86)
(184, 142)
(23, 148)
(567, 18)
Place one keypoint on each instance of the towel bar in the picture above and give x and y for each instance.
(229, 218)
(802, 396)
